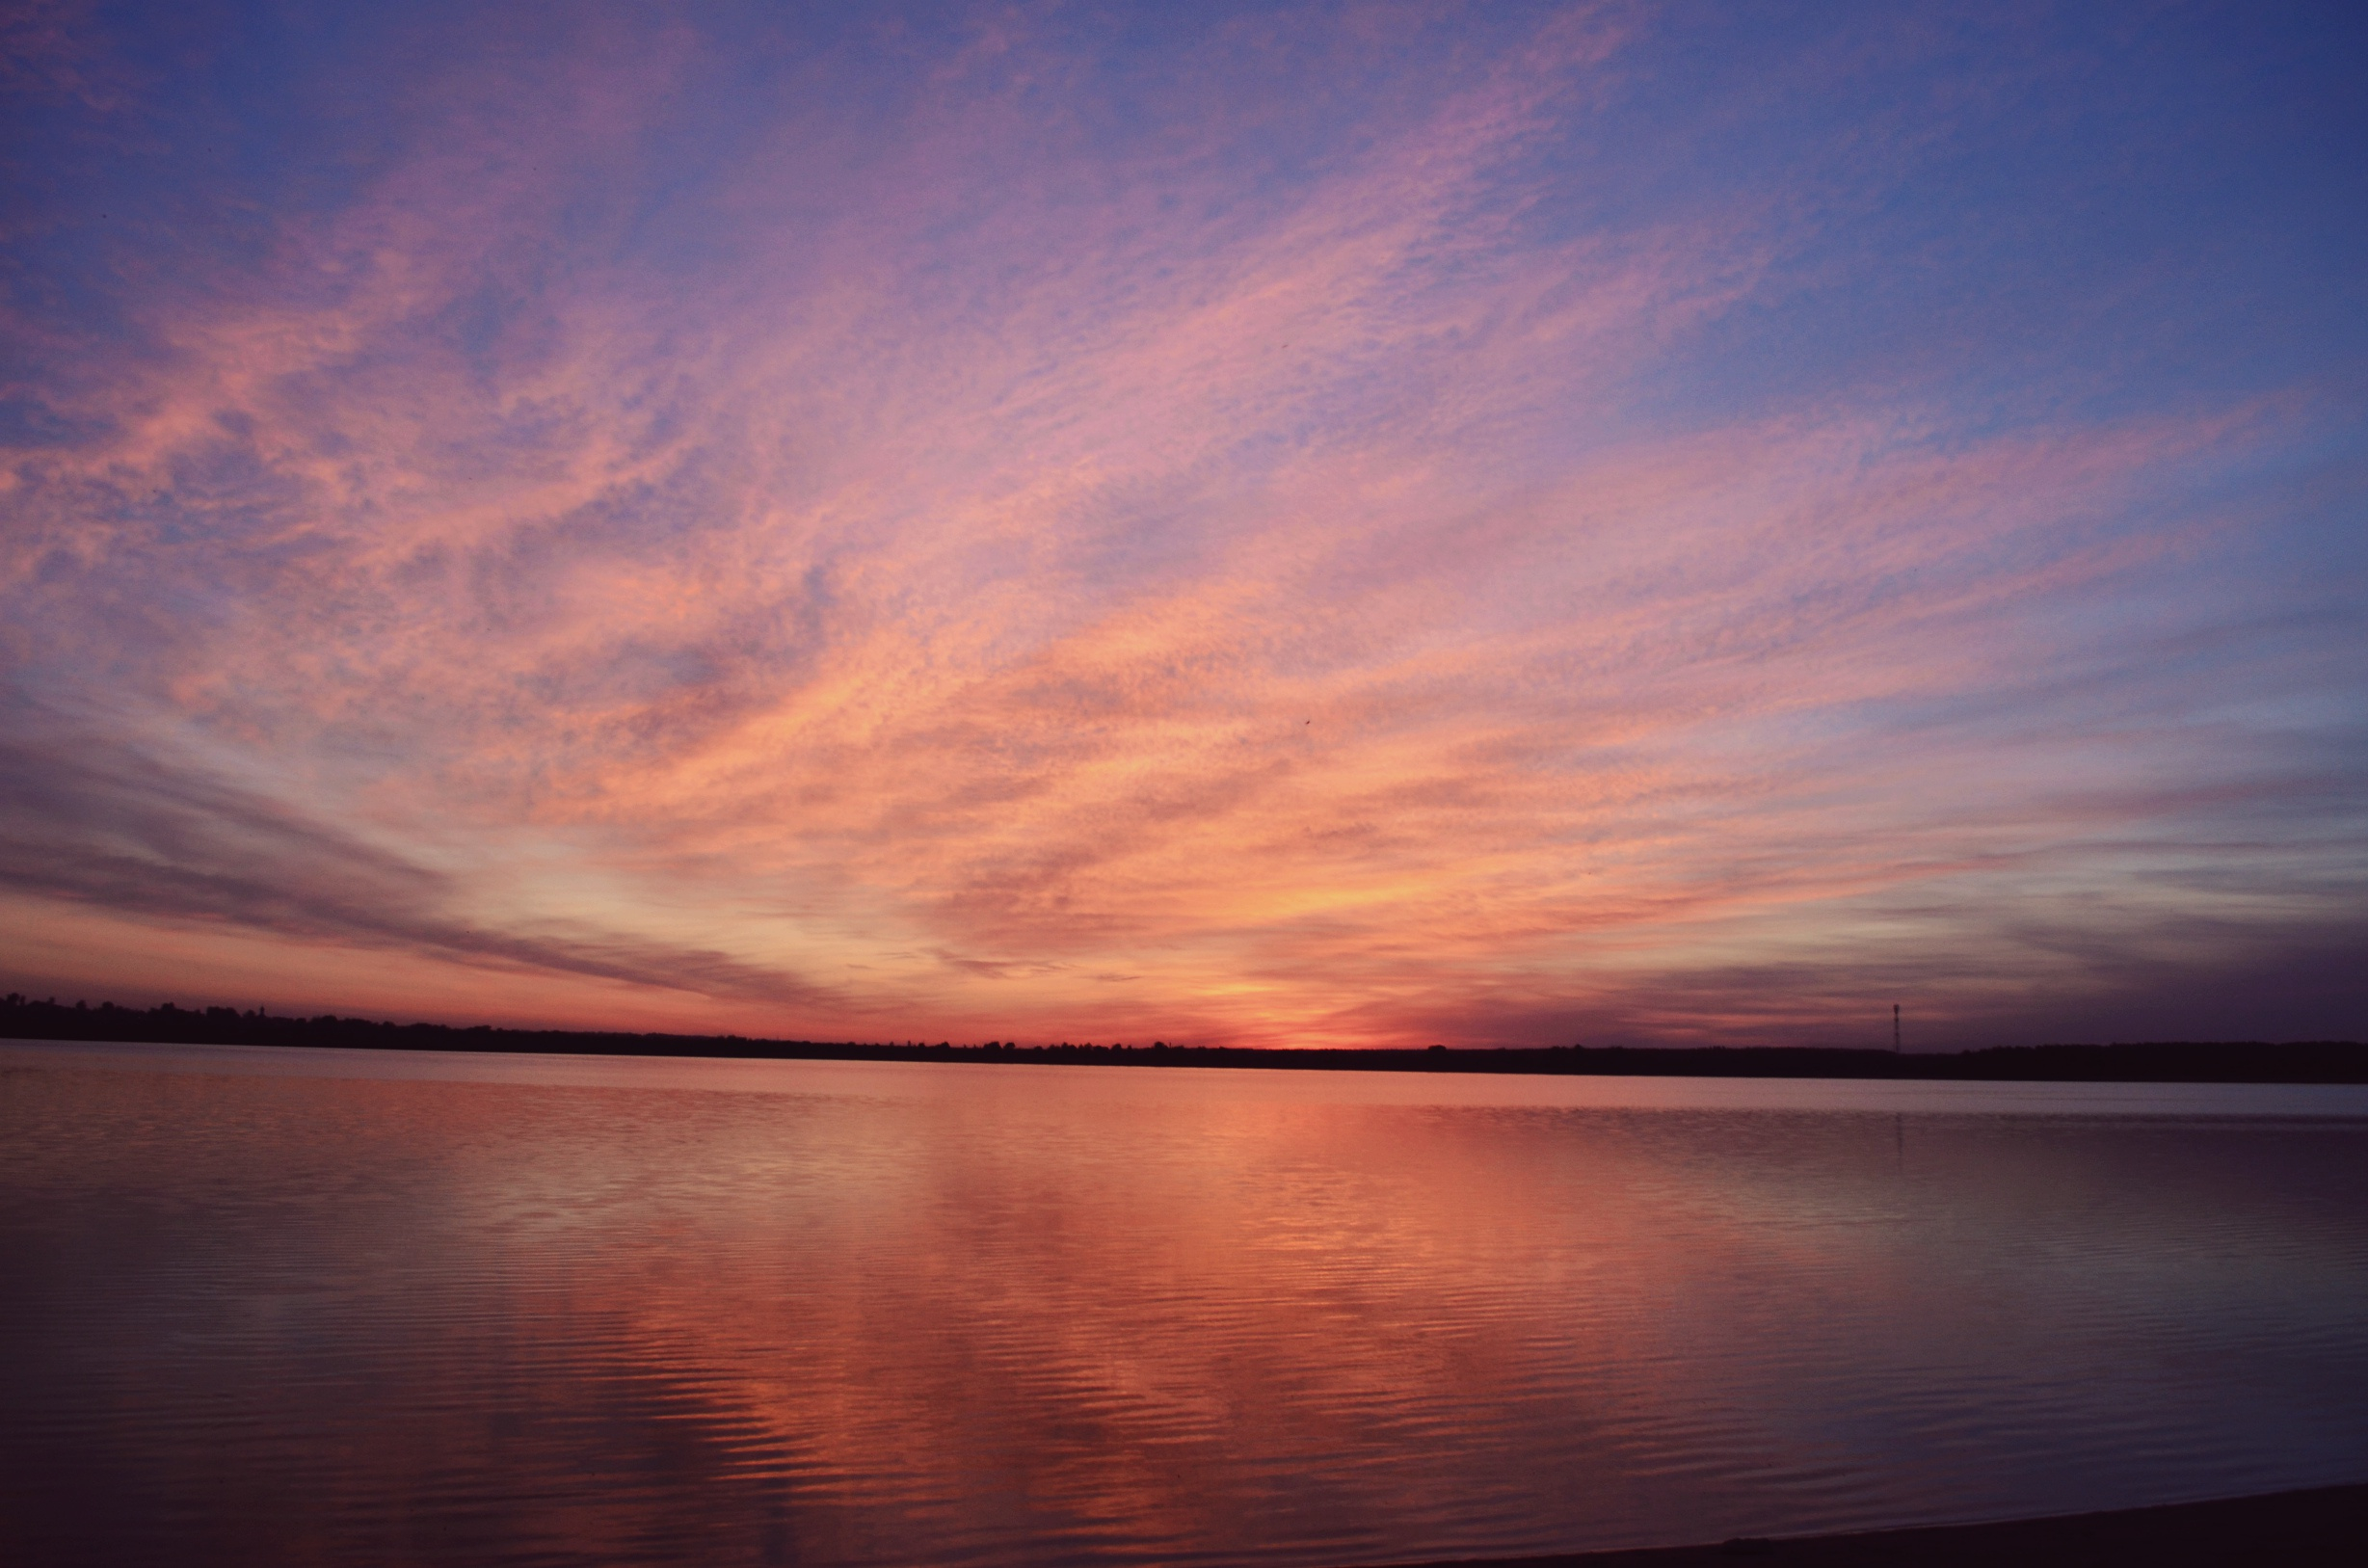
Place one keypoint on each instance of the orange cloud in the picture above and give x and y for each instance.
(1008, 577)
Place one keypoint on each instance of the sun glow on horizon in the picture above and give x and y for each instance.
(1255, 525)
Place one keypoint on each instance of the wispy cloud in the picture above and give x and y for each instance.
(93, 824)
(1352, 521)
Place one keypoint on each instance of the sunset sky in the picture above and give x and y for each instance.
(1252, 524)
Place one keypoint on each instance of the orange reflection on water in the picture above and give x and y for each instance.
(985, 1314)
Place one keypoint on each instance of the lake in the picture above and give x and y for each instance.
(348, 1307)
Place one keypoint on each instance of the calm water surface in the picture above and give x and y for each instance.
(271, 1307)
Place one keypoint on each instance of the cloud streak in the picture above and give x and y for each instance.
(1330, 526)
(96, 826)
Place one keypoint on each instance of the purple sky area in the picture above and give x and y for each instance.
(1260, 523)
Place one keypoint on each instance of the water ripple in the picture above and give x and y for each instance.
(802, 1314)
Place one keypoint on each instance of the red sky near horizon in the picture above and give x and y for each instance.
(1270, 524)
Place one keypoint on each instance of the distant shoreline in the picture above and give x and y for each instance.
(2324, 1525)
(2299, 1062)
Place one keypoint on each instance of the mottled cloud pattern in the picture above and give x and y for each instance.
(1274, 524)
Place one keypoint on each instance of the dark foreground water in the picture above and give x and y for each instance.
(271, 1307)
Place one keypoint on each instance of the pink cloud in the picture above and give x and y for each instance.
(994, 562)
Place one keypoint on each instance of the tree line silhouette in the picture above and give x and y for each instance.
(2247, 1061)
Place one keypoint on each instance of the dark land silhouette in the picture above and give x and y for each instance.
(2182, 1061)
(2323, 1525)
